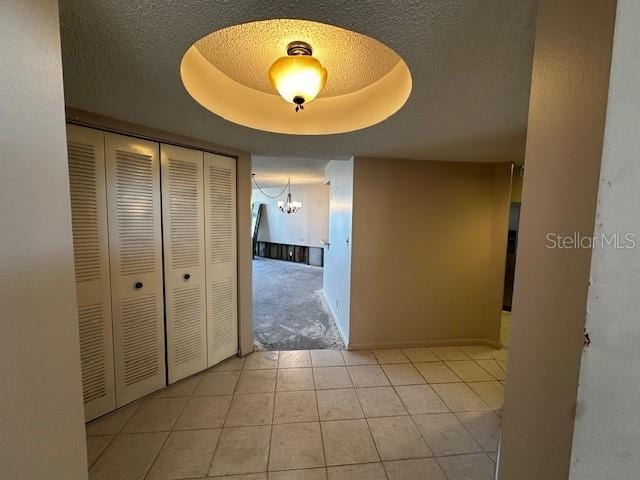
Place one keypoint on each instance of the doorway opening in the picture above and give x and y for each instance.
(512, 249)
(290, 205)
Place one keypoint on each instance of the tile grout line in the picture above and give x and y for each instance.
(324, 452)
(456, 417)
(419, 431)
(393, 387)
(493, 377)
(119, 432)
(353, 387)
(166, 439)
(451, 412)
(113, 437)
(463, 455)
(375, 444)
(273, 414)
(224, 420)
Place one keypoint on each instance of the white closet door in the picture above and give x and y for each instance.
(133, 194)
(183, 238)
(220, 242)
(85, 148)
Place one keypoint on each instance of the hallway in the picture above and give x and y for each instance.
(387, 414)
(289, 309)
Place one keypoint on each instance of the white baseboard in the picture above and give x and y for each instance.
(342, 334)
(345, 340)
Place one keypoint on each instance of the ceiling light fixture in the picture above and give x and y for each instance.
(289, 206)
(298, 77)
(285, 207)
(355, 80)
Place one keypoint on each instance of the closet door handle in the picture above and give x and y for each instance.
(138, 285)
(187, 276)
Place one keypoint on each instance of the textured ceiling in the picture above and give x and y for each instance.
(245, 52)
(276, 171)
(470, 61)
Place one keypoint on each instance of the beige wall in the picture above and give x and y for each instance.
(516, 186)
(41, 413)
(428, 255)
(564, 147)
(245, 254)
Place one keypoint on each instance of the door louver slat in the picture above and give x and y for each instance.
(221, 220)
(221, 273)
(92, 352)
(185, 231)
(221, 307)
(133, 175)
(200, 263)
(136, 213)
(87, 188)
(140, 338)
(187, 317)
(183, 224)
(84, 211)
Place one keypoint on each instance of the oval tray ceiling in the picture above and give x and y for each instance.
(226, 72)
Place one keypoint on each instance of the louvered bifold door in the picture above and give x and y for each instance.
(85, 148)
(133, 179)
(220, 243)
(183, 239)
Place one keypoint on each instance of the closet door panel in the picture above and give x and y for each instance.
(85, 149)
(221, 256)
(183, 239)
(133, 179)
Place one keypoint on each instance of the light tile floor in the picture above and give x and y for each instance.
(407, 414)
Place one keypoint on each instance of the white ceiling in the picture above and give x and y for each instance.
(470, 61)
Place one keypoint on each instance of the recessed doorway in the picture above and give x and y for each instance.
(290, 203)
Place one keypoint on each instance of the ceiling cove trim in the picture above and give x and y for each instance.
(217, 92)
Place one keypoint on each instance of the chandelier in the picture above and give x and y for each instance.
(289, 206)
(298, 77)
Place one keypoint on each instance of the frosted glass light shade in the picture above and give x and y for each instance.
(300, 76)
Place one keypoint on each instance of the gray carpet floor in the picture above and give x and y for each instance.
(289, 309)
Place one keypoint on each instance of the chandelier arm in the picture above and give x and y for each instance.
(265, 193)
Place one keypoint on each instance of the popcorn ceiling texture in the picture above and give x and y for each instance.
(470, 61)
(245, 53)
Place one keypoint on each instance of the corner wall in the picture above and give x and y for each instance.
(429, 252)
(605, 440)
(42, 431)
(564, 147)
(337, 260)
(245, 254)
